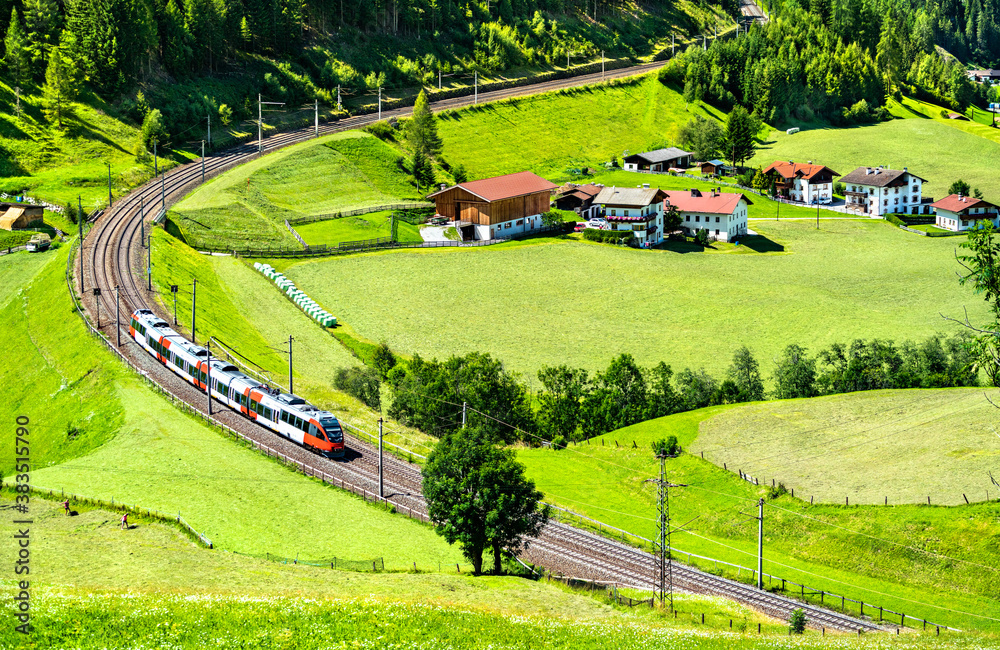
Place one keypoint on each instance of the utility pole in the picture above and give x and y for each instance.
(163, 193)
(476, 96)
(202, 161)
(439, 78)
(291, 388)
(672, 37)
(381, 492)
(464, 409)
(380, 102)
(208, 121)
(316, 109)
(156, 164)
(338, 98)
(602, 65)
(97, 299)
(194, 296)
(665, 560)
(109, 185)
(760, 545)
(260, 126)
(817, 216)
(118, 316)
(79, 224)
(173, 290)
(17, 92)
(208, 375)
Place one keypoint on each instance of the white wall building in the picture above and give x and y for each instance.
(806, 183)
(635, 209)
(957, 212)
(878, 191)
(722, 214)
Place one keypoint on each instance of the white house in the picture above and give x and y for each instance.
(806, 183)
(635, 209)
(659, 160)
(722, 214)
(957, 212)
(878, 191)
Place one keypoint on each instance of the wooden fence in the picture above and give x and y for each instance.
(417, 205)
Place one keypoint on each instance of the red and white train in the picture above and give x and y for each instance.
(288, 415)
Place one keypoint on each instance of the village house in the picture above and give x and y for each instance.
(878, 191)
(957, 212)
(660, 160)
(984, 76)
(578, 198)
(495, 208)
(715, 168)
(635, 209)
(806, 183)
(722, 214)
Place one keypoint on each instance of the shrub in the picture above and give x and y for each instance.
(891, 218)
(797, 623)
(701, 237)
(360, 383)
(559, 442)
(667, 447)
(225, 114)
(381, 130)
(609, 236)
(773, 492)
(383, 360)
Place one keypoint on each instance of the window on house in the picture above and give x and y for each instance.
(697, 217)
(885, 191)
(886, 202)
(717, 221)
(687, 217)
(614, 213)
(716, 232)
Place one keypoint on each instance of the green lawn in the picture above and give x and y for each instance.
(336, 173)
(906, 445)
(928, 227)
(609, 482)
(581, 303)
(366, 226)
(925, 145)
(557, 131)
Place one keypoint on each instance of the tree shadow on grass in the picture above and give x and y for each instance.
(761, 244)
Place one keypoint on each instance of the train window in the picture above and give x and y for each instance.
(253, 405)
(260, 409)
(299, 424)
(267, 414)
(284, 416)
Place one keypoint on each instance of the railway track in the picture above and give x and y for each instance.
(113, 255)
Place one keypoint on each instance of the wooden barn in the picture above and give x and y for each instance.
(19, 215)
(497, 207)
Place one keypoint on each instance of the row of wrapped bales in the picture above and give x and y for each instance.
(307, 304)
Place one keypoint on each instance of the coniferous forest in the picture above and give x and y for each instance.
(828, 59)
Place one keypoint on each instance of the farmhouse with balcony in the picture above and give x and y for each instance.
(806, 183)
(495, 208)
(878, 191)
(660, 160)
(957, 212)
(636, 209)
(578, 198)
(722, 214)
(19, 215)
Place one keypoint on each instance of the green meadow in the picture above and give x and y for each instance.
(365, 226)
(553, 301)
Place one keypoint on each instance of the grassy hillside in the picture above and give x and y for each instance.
(551, 133)
(819, 545)
(941, 151)
(366, 226)
(906, 445)
(581, 304)
(336, 173)
(58, 165)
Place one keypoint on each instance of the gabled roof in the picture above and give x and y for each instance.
(660, 155)
(631, 197)
(958, 203)
(587, 191)
(711, 202)
(716, 162)
(504, 187)
(875, 176)
(791, 169)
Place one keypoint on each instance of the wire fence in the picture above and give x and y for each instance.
(416, 205)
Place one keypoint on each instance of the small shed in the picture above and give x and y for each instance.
(18, 215)
(715, 168)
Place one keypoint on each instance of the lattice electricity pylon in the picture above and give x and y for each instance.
(665, 580)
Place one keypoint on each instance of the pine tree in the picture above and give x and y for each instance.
(422, 133)
(175, 40)
(60, 88)
(18, 58)
(739, 145)
(423, 173)
(43, 20)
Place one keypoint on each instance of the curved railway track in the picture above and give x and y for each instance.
(113, 257)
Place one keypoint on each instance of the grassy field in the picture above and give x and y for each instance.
(118, 586)
(554, 132)
(925, 145)
(336, 173)
(366, 226)
(906, 445)
(818, 545)
(58, 166)
(578, 303)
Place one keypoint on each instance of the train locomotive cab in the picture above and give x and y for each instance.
(334, 434)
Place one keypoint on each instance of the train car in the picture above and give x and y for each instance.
(288, 415)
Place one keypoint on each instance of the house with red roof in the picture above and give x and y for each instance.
(495, 208)
(722, 214)
(957, 212)
(806, 183)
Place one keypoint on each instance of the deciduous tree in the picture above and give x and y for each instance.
(479, 497)
(744, 372)
(795, 374)
(561, 400)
